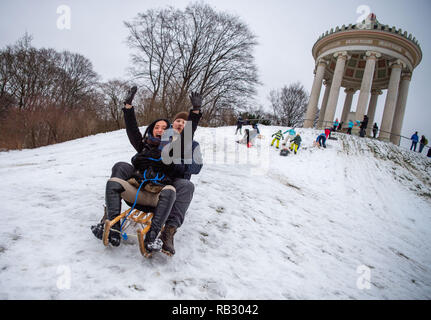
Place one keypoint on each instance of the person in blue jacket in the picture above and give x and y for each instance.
(350, 126)
(336, 123)
(254, 126)
(321, 140)
(289, 137)
(415, 139)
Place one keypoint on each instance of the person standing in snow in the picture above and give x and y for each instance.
(239, 124)
(422, 143)
(375, 130)
(363, 126)
(336, 123)
(415, 140)
(350, 126)
(254, 126)
(296, 143)
(277, 137)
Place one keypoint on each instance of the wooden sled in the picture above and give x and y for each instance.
(138, 217)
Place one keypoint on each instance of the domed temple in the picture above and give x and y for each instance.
(368, 58)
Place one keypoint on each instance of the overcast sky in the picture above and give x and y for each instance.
(286, 32)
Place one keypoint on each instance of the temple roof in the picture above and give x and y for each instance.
(371, 23)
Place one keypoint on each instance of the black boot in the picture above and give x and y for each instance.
(164, 207)
(130, 95)
(98, 228)
(113, 209)
(151, 242)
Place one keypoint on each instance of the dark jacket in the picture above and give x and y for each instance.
(239, 123)
(184, 169)
(193, 165)
(297, 140)
(147, 161)
(364, 123)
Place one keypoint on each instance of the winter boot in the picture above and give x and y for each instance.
(151, 242)
(164, 207)
(115, 236)
(167, 238)
(113, 209)
(98, 228)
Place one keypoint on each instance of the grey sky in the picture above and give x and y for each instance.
(286, 32)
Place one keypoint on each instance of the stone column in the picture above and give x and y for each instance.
(315, 94)
(400, 109)
(347, 104)
(335, 87)
(327, 84)
(372, 109)
(367, 81)
(391, 100)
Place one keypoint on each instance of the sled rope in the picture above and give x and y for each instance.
(155, 180)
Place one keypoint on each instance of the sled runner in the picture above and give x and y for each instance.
(140, 213)
(137, 217)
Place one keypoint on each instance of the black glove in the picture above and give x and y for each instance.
(130, 95)
(196, 100)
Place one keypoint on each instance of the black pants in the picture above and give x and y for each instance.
(322, 141)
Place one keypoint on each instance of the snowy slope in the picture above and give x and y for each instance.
(260, 226)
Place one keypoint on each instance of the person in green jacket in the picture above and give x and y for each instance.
(277, 137)
(296, 142)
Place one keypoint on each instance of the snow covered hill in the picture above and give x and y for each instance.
(352, 221)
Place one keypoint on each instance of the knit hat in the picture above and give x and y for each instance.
(182, 115)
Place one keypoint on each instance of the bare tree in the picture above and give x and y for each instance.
(289, 104)
(113, 93)
(50, 96)
(197, 49)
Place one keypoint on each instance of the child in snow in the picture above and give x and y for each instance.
(254, 126)
(336, 123)
(296, 142)
(249, 137)
(292, 134)
(321, 140)
(278, 136)
(350, 126)
(415, 140)
(328, 132)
